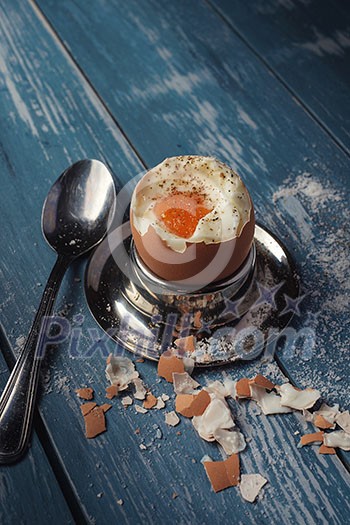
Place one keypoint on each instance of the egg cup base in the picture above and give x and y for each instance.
(232, 320)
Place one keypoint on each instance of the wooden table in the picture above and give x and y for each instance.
(262, 85)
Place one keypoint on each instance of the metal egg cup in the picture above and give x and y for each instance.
(231, 320)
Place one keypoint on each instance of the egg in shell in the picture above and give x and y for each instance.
(192, 220)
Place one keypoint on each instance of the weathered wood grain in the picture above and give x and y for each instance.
(178, 80)
(29, 492)
(306, 44)
(302, 485)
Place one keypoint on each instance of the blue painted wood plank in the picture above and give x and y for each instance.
(307, 45)
(113, 466)
(184, 82)
(29, 488)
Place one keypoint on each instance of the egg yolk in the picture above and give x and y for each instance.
(180, 213)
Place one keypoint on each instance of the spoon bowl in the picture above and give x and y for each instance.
(76, 215)
(79, 208)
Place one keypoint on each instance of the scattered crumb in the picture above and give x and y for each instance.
(85, 393)
(172, 419)
(120, 501)
(174, 495)
(143, 447)
(250, 486)
(223, 474)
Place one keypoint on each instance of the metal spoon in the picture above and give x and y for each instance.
(76, 215)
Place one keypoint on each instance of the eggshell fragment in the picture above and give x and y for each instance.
(314, 437)
(190, 405)
(111, 391)
(183, 383)
(321, 422)
(120, 371)
(168, 364)
(269, 402)
(225, 389)
(87, 407)
(337, 439)
(262, 381)
(223, 474)
(127, 401)
(141, 391)
(231, 441)
(326, 450)
(160, 403)
(250, 486)
(197, 319)
(150, 401)
(298, 399)
(95, 422)
(243, 388)
(186, 344)
(172, 419)
(105, 407)
(140, 409)
(343, 420)
(217, 415)
(328, 413)
(85, 393)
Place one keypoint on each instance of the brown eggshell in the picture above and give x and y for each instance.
(223, 474)
(175, 266)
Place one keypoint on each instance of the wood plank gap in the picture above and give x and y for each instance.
(47, 24)
(53, 459)
(274, 73)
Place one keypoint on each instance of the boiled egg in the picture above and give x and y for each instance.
(192, 220)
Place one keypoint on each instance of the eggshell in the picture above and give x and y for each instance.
(223, 474)
(196, 259)
(190, 405)
(315, 437)
(95, 422)
(263, 382)
(150, 401)
(321, 422)
(326, 450)
(87, 407)
(168, 364)
(243, 388)
(85, 393)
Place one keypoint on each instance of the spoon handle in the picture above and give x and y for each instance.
(17, 401)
